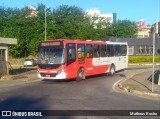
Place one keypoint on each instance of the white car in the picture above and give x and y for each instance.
(29, 62)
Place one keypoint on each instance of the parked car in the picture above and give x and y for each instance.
(29, 62)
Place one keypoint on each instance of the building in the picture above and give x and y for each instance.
(4, 44)
(94, 12)
(143, 29)
(33, 12)
(139, 46)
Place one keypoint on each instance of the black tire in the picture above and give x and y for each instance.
(112, 70)
(80, 74)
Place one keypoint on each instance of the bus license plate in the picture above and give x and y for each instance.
(48, 76)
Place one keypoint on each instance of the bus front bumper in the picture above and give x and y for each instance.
(61, 75)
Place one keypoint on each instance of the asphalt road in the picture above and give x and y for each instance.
(94, 93)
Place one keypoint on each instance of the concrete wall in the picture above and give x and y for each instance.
(3, 67)
(7, 41)
(4, 44)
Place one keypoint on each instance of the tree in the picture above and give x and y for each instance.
(122, 29)
(69, 22)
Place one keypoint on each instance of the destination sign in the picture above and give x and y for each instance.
(50, 44)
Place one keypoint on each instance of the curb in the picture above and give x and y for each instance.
(129, 89)
(143, 64)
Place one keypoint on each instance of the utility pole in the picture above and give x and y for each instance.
(155, 32)
(153, 60)
(45, 22)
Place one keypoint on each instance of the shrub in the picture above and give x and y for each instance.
(142, 59)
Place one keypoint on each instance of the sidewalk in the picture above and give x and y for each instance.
(22, 77)
(141, 84)
(10, 82)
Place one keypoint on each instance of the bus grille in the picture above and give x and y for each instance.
(48, 75)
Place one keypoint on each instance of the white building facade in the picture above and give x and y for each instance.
(143, 29)
(94, 12)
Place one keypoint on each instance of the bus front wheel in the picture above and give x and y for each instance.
(80, 74)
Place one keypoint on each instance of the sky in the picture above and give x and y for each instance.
(132, 10)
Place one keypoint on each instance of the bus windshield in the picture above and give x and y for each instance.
(51, 56)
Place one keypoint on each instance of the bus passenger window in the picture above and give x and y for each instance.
(103, 51)
(89, 51)
(123, 50)
(96, 51)
(110, 50)
(81, 51)
(117, 50)
(106, 53)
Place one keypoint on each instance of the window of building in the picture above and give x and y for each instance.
(146, 36)
(139, 50)
(144, 50)
(2, 55)
(140, 36)
(150, 50)
(131, 50)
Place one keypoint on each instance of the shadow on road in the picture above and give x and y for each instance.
(21, 103)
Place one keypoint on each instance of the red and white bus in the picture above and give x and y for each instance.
(68, 59)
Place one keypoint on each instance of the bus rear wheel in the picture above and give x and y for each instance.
(112, 70)
(80, 74)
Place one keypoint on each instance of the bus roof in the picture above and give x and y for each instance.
(85, 41)
(76, 41)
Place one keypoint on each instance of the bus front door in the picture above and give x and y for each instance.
(71, 61)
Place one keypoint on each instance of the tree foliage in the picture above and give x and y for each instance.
(123, 29)
(69, 22)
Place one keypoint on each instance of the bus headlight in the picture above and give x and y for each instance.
(62, 70)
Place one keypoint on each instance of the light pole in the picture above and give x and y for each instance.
(45, 22)
(153, 60)
(155, 32)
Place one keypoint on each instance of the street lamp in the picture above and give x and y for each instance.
(45, 21)
(155, 32)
